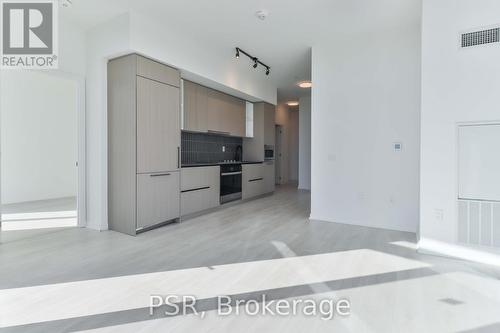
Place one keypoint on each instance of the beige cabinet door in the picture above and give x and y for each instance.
(269, 124)
(158, 126)
(252, 183)
(236, 116)
(216, 121)
(159, 72)
(195, 107)
(157, 198)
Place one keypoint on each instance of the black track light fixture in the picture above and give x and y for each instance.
(255, 60)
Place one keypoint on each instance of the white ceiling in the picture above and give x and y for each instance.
(283, 41)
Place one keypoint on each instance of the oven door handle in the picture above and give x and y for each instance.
(231, 173)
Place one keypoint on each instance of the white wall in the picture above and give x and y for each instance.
(366, 96)
(293, 146)
(457, 86)
(72, 48)
(305, 143)
(103, 42)
(38, 136)
(133, 33)
(205, 58)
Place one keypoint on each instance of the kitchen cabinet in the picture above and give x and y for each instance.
(200, 189)
(143, 144)
(235, 114)
(252, 183)
(216, 121)
(158, 126)
(157, 71)
(157, 198)
(195, 107)
(263, 132)
(269, 176)
(209, 110)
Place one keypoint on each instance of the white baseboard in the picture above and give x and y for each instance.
(325, 219)
(435, 247)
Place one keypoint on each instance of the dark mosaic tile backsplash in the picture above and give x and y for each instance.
(207, 148)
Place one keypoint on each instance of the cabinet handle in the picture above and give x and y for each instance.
(231, 173)
(159, 175)
(218, 132)
(196, 189)
(178, 157)
(255, 180)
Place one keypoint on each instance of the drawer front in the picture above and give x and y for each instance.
(193, 178)
(159, 72)
(252, 188)
(200, 188)
(252, 171)
(158, 198)
(195, 201)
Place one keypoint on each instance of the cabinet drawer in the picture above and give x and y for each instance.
(193, 178)
(156, 71)
(157, 198)
(252, 188)
(252, 171)
(198, 200)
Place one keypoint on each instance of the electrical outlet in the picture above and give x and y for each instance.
(223, 149)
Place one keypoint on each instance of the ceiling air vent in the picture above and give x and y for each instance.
(481, 37)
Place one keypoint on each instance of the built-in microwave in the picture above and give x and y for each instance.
(268, 152)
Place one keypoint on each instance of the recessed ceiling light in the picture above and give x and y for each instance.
(305, 84)
(292, 103)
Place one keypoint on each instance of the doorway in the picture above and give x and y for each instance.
(40, 149)
(278, 153)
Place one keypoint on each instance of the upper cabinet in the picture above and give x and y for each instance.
(209, 110)
(156, 71)
(195, 107)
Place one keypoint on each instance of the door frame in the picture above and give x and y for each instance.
(81, 195)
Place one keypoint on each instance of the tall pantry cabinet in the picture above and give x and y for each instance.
(143, 144)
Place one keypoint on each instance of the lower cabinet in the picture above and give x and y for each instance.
(258, 179)
(252, 181)
(157, 198)
(200, 189)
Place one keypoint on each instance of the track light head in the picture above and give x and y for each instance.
(255, 62)
(237, 53)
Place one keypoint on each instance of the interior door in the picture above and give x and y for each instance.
(158, 126)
